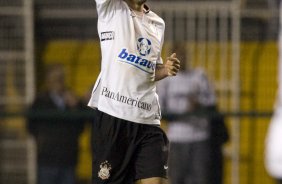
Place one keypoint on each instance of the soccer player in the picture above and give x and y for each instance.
(128, 144)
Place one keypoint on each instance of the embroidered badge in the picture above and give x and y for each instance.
(104, 172)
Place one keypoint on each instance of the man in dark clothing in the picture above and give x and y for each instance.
(55, 130)
(219, 135)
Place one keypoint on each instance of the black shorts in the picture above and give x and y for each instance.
(124, 152)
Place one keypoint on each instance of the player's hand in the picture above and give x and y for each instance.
(172, 65)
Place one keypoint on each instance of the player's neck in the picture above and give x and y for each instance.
(135, 6)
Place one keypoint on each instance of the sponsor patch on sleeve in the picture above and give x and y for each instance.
(109, 35)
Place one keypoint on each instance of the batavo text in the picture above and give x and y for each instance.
(137, 61)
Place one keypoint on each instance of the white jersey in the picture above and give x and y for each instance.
(131, 47)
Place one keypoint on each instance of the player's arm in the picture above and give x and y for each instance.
(105, 9)
(169, 68)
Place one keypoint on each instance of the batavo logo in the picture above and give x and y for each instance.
(144, 48)
(137, 61)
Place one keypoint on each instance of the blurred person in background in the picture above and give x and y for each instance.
(273, 146)
(55, 130)
(195, 149)
(273, 157)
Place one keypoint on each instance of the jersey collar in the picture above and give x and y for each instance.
(146, 9)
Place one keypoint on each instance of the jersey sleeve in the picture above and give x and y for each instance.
(160, 60)
(106, 9)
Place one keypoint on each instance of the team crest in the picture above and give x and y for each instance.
(104, 172)
(144, 46)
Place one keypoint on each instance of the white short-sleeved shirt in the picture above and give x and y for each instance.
(177, 96)
(131, 47)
